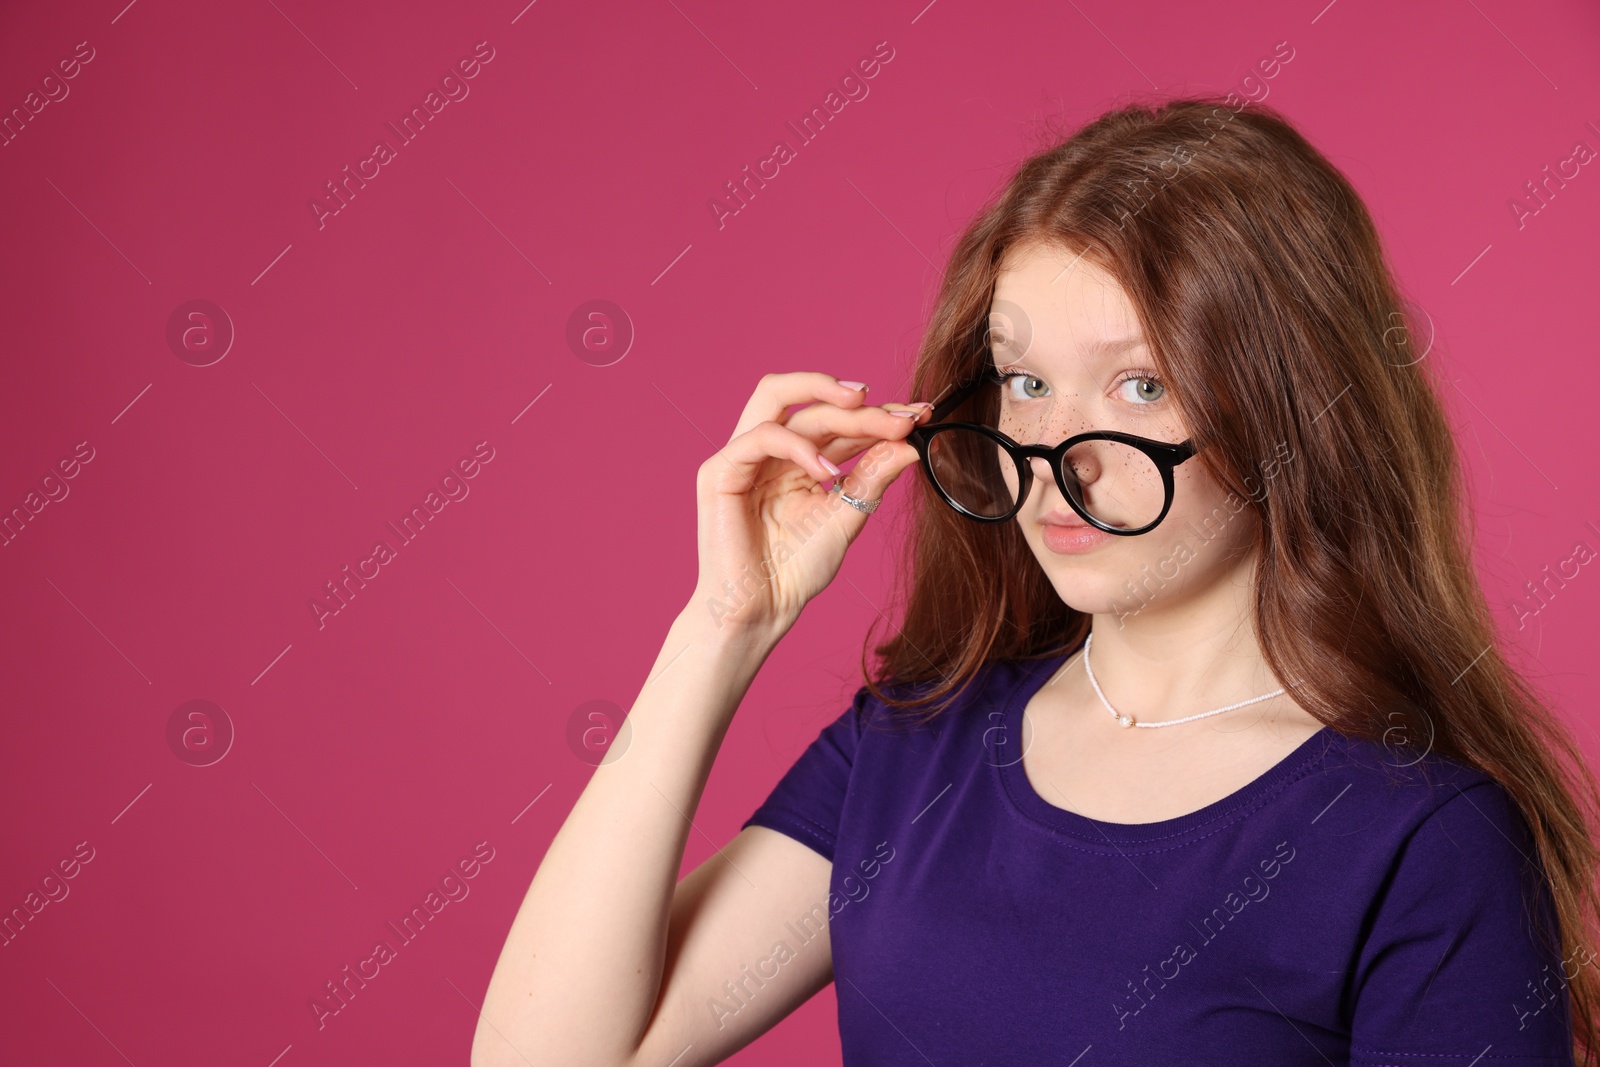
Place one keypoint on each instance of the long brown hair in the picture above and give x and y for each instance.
(1261, 285)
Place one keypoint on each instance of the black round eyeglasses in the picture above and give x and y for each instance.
(1117, 482)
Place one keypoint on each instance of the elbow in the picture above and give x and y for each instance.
(492, 1048)
(495, 1052)
(484, 1051)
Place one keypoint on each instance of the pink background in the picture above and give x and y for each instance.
(373, 353)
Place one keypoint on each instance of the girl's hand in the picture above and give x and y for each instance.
(770, 537)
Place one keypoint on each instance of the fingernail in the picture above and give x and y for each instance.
(905, 414)
(824, 461)
(854, 385)
(923, 404)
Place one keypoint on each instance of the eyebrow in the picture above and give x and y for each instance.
(1098, 347)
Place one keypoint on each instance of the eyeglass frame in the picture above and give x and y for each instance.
(1165, 455)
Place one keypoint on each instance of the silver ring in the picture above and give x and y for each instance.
(866, 507)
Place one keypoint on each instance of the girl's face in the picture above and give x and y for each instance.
(1068, 332)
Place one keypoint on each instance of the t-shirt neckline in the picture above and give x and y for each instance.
(1026, 801)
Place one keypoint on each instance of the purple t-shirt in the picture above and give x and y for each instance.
(1356, 904)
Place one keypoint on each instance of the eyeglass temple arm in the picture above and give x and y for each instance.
(954, 400)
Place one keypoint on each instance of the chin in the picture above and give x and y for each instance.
(1094, 583)
(1095, 597)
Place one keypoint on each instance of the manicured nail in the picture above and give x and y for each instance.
(824, 461)
(905, 414)
(923, 404)
(855, 385)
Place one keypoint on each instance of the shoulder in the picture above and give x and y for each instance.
(1459, 915)
(1415, 780)
(969, 702)
(1428, 819)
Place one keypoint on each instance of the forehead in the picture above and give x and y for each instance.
(1052, 301)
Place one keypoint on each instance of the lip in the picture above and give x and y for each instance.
(1069, 535)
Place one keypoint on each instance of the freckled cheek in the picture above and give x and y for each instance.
(1030, 429)
(1190, 493)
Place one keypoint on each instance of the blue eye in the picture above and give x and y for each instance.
(1028, 381)
(1150, 381)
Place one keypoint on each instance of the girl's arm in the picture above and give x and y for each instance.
(609, 963)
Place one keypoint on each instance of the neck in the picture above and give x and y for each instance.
(1179, 658)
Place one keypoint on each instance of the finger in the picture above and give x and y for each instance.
(825, 422)
(879, 466)
(776, 393)
(870, 478)
(733, 469)
(839, 442)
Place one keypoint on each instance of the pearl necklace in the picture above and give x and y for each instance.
(1127, 720)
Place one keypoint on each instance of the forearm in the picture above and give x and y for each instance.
(578, 977)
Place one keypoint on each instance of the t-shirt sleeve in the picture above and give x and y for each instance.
(807, 801)
(1452, 972)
